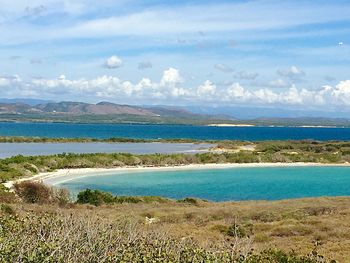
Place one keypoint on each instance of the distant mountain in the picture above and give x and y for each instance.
(102, 108)
(105, 112)
(31, 102)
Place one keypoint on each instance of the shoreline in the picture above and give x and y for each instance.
(71, 174)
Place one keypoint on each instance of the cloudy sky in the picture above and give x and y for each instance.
(269, 52)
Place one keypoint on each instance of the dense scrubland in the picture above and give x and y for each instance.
(42, 224)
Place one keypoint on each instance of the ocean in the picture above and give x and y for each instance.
(57, 130)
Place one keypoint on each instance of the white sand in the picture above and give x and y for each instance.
(69, 174)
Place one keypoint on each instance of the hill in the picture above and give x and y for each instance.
(102, 112)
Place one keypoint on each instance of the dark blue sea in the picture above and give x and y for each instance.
(57, 130)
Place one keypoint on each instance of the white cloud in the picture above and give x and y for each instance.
(341, 92)
(84, 19)
(171, 87)
(113, 62)
(207, 90)
(4, 82)
(171, 77)
(293, 73)
(237, 93)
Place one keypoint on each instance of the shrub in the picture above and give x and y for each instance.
(33, 192)
(61, 196)
(37, 192)
(236, 230)
(94, 197)
(189, 200)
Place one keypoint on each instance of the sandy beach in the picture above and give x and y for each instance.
(69, 174)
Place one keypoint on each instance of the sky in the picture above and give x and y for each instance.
(283, 54)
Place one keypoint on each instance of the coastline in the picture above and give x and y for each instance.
(70, 174)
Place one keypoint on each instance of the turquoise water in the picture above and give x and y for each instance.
(171, 131)
(268, 183)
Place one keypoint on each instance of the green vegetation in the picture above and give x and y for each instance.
(230, 152)
(96, 197)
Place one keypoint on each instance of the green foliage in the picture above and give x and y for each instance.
(94, 197)
(97, 197)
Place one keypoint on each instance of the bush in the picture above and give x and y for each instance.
(37, 192)
(94, 197)
(189, 200)
(33, 192)
(61, 196)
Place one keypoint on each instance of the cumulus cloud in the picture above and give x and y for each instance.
(113, 62)
(8, 80)
(171, 77)
(224, 68)
(171, 86)
(207, 90)
(293, 73)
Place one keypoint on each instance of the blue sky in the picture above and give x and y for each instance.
(273, 53)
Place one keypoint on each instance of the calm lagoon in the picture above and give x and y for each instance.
(248, 183)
